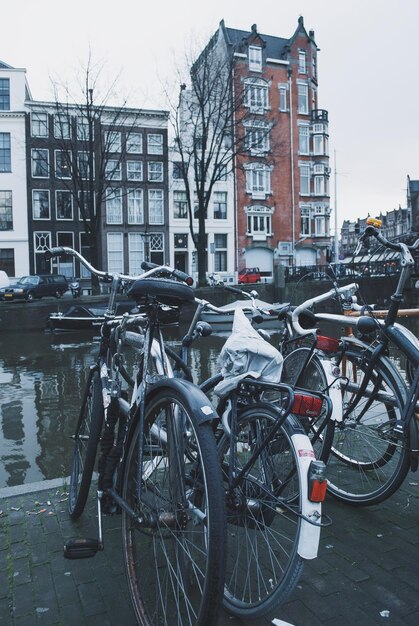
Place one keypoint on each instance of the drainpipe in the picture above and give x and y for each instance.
(292, 169)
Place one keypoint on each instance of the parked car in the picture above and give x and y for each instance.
(30, 287)
(249, 275)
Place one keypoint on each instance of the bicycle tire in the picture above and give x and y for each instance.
(368, 460)
(86, 440)
(175, 574)
(310, 375)
(263, 565)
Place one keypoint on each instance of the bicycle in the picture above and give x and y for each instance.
(172, 504)
(375, 442)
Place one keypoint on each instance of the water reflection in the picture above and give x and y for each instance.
(42, 377)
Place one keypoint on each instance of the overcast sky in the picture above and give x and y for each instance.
(368, 69)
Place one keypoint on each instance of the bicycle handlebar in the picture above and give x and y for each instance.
(372, 231)
(183, 276)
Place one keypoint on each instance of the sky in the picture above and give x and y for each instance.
(368, 68)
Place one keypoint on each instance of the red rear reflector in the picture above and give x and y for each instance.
(327, 344)
(317, 490)
(307, 406)
(189, 281)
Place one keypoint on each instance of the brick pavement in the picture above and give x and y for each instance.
(366, 573)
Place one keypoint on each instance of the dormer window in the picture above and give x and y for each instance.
(255, 58)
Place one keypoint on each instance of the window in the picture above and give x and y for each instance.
(256, 95)
(114, 207)
(318, 144)
(155, 172)
(7, 261)
(135, 206)
(83, 197)
(319, 188)
(220, 253)
(303, 139)
(115, 253)
(255, 58)
(135, 253)
(259, 220)
(258, 180)
(135, 143)
(39, 124)
(320, 225)
(40, 205)
(4, 94)
(5, 153)
(83, 128)
(302, 90)
(177, 170)
(156, 249)
(113, 141)
(305, 180)
(113, 169)
(155, 206)
(155, 144)
(85, 250)
(63, 205)
(83, 164)
(302, 62)
(305, 221)
(42, 241)
(6, 210)
(66, 262)
(314, 65)
(62, 128)
(180, 205)
(181, 240)
(134, 170)
(220, 205)
(257, 137)
(283, 97)
(62, 164)
(40, 163)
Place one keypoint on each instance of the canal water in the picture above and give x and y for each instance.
(42, 377)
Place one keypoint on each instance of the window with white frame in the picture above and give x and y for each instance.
(113, 169)
(84, 204)
(320, 225)
(40, 163)
(4, 94)
(39, 124)
(220, 205)
(62, 126)
(154, 143)
(155, 206)
(62, 164)
(302, 91)
(6, 210)
(283, 106)
(114, 206)
(115, 253)
(134, 143)
(113, 141)
(256, 95)
(85, 250)
(255, 58)
(135, 206)
(259, 221)
(155, 171)
(177, 171)
(314, 65)
(63, 205)
(156, 250)
(257, 137)
(302, 62)
(258, 180)
(319, 187)
(303, 139)
(304, 179)
(66, 262)
(180, 240)
(42, 243)
(305, 220)
(180, 205)
(5, 153)
(135, 253)
(318, 144)
(83, 164)
(220, 252)
(83, 128)
(40, 204)
(134, 170)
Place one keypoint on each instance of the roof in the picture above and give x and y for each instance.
(414, 185)
(4, 66)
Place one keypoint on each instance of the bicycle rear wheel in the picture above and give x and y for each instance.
(86, 440)
(369, 459)
(175, 565)
(263, 564)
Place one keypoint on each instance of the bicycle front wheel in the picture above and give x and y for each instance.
(174, 563)
(86, 440)
(263, 525)
(369, 459)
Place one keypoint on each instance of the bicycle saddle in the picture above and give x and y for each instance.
(170, 292)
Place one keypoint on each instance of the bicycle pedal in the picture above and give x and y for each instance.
(81, 548)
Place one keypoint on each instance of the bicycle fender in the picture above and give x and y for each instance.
(195, 399)
(334, 390)
(308, 542)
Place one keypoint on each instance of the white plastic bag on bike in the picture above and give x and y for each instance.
(245, 353)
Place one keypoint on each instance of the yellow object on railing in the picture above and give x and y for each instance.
(372, 221)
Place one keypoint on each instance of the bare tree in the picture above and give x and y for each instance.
(211, 129)
(88, 135)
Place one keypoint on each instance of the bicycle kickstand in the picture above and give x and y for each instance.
(86, 548)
